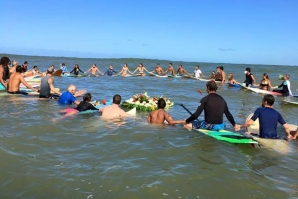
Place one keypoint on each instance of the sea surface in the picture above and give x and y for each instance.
(84, 157)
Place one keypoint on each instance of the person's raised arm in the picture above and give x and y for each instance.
(81, 70)
(72, 70)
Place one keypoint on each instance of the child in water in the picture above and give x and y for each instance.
(231, 79)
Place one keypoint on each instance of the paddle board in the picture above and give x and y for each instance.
(228, 136)
(175, 76)
(233, 85)
(291, 100)
(156, 75)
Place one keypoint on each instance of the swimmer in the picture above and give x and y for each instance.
(113, 111)
(141, 70)
(93, 70)
(124, 72)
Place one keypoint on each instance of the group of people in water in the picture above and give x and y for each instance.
(213, 105)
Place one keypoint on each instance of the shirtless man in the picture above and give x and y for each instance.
(113, 111)
(221, 75)
(141, 70)
(181, 71)
(158, 70)
(15, 80)
(170, 69)
(93, 70)
(160, 116)
(35, 70)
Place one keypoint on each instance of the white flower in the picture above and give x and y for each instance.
(137, 102)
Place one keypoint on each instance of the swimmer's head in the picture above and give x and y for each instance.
(19, 69)
(268, 100)
(161, 103)
(211, 86)
(117, 99)
(72, 89)
(5, 61)
(87, 97)
(286, 76)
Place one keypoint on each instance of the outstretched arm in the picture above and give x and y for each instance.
(27, 85)
(171, 121)
(53, 89)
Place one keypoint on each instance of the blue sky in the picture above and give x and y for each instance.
(226, 31)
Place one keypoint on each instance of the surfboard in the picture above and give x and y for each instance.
(156, 75)
(34, 85)
(257, 90)
(34, 93)
(291, 100)
(228, 136)
(57, 72)
(233, 85)
(174, 76)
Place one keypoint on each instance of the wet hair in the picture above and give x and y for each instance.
(287, 76)
(269, 99)
(125, 64)
(4, 61)
(171, 64)
(221, 67)
(247, 69)
(34, 66)
(198, 66)
(161, 103)
(266, 75)
(117, 99)
(94, 64)
(77, 65)
(141, 64)
(63, 64)
(19, 69)
(211, 85)
(87, 97)
(230, 76)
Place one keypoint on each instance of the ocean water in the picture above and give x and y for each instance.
(85, 157)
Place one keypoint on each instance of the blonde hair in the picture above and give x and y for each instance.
(71, 87)
(230, 76)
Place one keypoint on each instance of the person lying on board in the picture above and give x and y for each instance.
(214, 106)
(231, 79)
(76, 70)
(110, 71)
(220, 75)
(68, 96)
(125, 70)
(158, 70)
(265, 83)
(285, 85)
(268, 119)
(47, 86)
(249, 78)
(63, 68)
(181, 71)
(170, 70)
(84, 105)
(4, 71)
(15, 80)
(113, 111)
(141, 70)
(93, 70)
(159, 116)
(198, 73)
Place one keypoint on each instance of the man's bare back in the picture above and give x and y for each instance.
(14, 82)
(160, 116)
(113, 112)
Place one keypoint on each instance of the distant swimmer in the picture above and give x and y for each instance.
(47, 86)
(76, 70)
(93, 70)
(15, 80)
(214, 106)
(125, 70)
(110, 71)
(265, 83)
(170, 70)
(4, 71)
(25, 66)
(220, 75)
(63, 68)
(68, 96)
(181, 71)
(231, 79)
(249, 78)
(159, 116)
(268, 119)
(113, 111)
(158, 70)
(198, 73)
(285, 86)
(141, 70)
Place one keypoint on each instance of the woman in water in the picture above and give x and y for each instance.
(141, 69)
(265, 84)
(76, 70)
(124, 70)
(231, 79)
(285, 85)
